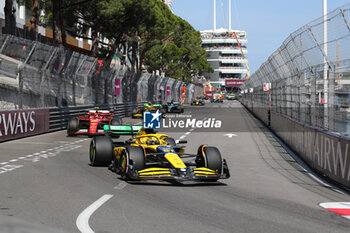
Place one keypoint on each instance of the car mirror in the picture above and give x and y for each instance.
(182, 142)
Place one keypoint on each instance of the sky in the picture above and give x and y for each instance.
(267, 22)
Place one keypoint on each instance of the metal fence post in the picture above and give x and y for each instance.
(20, 85)
(331, 108)
(5, 43)
(42, 77)
(313, 98)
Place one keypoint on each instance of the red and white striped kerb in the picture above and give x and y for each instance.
(341, 208)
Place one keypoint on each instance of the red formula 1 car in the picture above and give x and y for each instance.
(92, 123)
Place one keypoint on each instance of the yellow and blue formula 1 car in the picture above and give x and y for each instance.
(148, 107)
(151, 156)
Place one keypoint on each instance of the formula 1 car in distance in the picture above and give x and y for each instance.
(148, 107)
(218, 98)
(152, 156)
(92, 123)
(231, 96)
(197, 102)
(173, 107)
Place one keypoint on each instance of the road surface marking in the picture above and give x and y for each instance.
(183, 136)
(121, 185)
(36, 157)
(230, 135)
(31, 143)
(340, 208)
(83, 218)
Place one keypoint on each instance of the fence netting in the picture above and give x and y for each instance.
(296, 73)
(48, 76)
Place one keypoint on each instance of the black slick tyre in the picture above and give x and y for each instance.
(209, 157)
(101, 151)
(132, 155)
(73, 126)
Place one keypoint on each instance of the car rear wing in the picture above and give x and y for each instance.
(154, 105)
(122, 129)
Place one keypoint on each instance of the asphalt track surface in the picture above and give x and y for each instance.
(47, 181)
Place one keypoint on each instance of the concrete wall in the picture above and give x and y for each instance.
(324, 151)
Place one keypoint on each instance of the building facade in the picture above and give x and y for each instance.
(225, 55)
(168, 3)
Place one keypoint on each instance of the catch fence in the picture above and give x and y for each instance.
(41, 75)
(296, 73)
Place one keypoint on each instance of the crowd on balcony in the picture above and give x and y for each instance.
(230, 56)
(221, 36)
(222, 46)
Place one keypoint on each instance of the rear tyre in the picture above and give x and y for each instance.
(209, 157)
(116, 121)
(101, 151)
(73, 126)
(134, 156)
(171, 142)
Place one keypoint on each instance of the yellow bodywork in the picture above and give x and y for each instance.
(175, 160)
(150, 142)
(154, 172)
(118, 152)
(204, 171)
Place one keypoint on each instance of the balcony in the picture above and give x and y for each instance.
(229, 60)
(224, 40)
(227, 49)
(231, 70)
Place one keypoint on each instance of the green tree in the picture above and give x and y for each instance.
(163, 41)
(179, 55)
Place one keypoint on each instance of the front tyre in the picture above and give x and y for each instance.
(101, 151)
(131, 158)
(209, 157)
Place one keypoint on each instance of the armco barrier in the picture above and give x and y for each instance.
(59, 116)
(27, 122)
(325, 152)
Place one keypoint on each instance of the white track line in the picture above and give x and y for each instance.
(185, 135)
(83, 218)
(121, 185)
